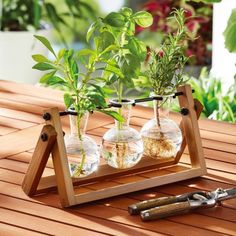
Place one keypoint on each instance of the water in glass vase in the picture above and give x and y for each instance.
(122, 146)
(161, 136)
(82, 152)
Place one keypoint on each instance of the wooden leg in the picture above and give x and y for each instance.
(191, 129)
(39, 160)
(198, 108)
(60, 162)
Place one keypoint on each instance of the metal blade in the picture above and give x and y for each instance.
(225, 194)
(231, 192)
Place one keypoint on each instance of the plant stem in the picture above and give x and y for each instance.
(120, 90)
(80, 115)
(120, 84)
(79, 170)
(158, 120)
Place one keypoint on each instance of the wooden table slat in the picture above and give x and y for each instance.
(41, 224)
(12, 230)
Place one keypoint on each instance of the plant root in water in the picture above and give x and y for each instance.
(122, 150)
(159, 148)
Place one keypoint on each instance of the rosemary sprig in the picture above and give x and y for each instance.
(166, 66)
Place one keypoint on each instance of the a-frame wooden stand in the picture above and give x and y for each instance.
(51, 141)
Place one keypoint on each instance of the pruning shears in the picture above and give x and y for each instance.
(158, 208)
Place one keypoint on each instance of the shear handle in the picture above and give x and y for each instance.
(176, 209)
(165, 211)
(136, 208)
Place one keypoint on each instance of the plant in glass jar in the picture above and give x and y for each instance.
(161, 136)
(122, 145)
(82, 95)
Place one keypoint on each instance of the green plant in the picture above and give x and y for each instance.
(81, 90)
(217, 105)
(124, 53)
(165, 69)
(21, 15)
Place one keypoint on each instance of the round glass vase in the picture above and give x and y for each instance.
(82, 151)
(122, 146)
(161, 136)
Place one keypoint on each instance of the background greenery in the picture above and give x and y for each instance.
(218, 105)
(69, 18)
(208, 89)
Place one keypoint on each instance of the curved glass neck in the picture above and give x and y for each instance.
(124, 111)
(76, 126)
(162, 108)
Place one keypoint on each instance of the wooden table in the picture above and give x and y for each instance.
(21, 107)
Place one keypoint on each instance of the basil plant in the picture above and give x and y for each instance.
(122, 52)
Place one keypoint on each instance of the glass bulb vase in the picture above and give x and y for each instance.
(161, 136)
(82, 151)
(122, 146)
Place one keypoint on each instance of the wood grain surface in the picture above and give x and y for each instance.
(21, 107)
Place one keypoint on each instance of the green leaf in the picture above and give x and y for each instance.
(45, 77)
(112, 78)
(113, 114)
(130, 65)
(126, 11)
(109, 48)
(108, 90)
(230, 32)
(97, 99)
(43, 66)
(85, 51)
(230, 111)
(37, 13)
(40, 58)
(68, 100)
(115, 19)
(61, 53)
(128, 82)
(98, 89)
(46, 43)
(106, 39)
(69, 54)
(131, 28)
(55, 80)
(91, 30)
(143, 18)
(137, 48)
(113, 69)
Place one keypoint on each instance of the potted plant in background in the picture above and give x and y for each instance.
(217, 104)
(122, 145)
(82, 95)
(161, 136)
(19, 20)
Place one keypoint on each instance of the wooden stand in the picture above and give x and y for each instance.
(161, 171)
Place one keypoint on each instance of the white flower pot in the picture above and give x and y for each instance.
(16, 49)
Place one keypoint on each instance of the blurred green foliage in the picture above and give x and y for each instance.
(230, 31)
(68, 17)
(218, 105)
